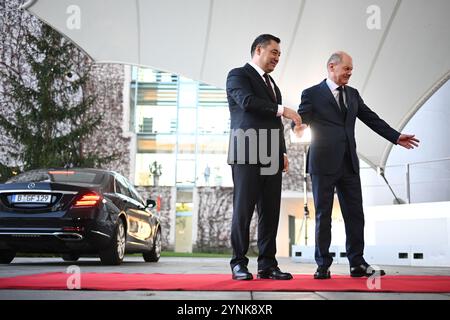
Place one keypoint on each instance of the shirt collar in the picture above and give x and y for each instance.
(332, 85)
(257, 68)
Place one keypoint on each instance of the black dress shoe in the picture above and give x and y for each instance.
(322, 273)
(274, 273)
(365, 270)
(240, 272)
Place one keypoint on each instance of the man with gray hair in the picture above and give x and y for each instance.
(330, 109)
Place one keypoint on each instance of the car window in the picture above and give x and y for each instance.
(109, 186)
(76, 176)
(136, 194)
(121, 187)
(71, 176)
(133, 193)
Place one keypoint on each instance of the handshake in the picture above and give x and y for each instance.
(298, 127)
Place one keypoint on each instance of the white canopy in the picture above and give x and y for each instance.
(400, 49)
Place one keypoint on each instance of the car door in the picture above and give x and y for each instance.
(130, 207)
(148, 220)
(138, 218)
(145, 217)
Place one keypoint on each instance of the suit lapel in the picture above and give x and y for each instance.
(330, 98)
(350, 104)
(260, 80)
(276, 90)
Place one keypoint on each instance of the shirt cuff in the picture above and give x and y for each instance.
(280, 110)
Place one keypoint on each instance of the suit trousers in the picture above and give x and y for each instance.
(250, 189)
(348, 188)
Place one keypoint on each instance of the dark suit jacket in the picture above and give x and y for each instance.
(251, 107)
(330, 133)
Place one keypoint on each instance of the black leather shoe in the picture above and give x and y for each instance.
(322, 273)
(365, 270)
(274, 273)
(240, 272)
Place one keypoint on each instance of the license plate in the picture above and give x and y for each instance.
(31, 198)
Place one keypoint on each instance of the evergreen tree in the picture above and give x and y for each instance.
(46, 113)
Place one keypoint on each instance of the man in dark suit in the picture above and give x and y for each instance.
(330, 109)
(257, 154)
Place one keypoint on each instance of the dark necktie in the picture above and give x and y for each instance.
(341, 101)
(272, 94)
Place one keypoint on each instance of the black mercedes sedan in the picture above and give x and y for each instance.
(75, 212)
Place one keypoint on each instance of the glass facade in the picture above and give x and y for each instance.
(182, 125)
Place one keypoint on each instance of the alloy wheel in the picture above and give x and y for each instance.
(121, 241)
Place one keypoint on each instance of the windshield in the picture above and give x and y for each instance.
(59, 176)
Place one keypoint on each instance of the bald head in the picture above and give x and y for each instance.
(340, 67)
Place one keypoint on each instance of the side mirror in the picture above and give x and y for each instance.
(150, 203)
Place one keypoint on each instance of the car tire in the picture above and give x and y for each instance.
(114, 254)
(155, 253)
(6, 256)
(70, 257)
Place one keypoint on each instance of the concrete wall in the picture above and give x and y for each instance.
(166, 211)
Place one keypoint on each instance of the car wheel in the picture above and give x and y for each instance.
(7, 256)
(113, 255)
(155, 253)
(70, 257)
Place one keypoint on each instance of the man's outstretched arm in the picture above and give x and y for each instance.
(408, 141)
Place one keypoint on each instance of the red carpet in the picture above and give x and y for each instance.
(221, 282)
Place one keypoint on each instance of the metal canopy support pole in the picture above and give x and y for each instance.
(305, 194)
(408, 184)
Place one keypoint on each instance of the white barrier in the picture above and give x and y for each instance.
(410, 235)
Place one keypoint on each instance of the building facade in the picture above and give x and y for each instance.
(181, 130)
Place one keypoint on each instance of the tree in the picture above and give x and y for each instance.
(46, 112)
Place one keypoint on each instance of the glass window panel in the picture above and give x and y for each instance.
(213, 120)
(213, 144)
(134, 73)
(219, 170)
(187, 120)
(146, 75)
(185, 172)
(156, 119)
(187, 94)
(143, 162)
(166, 77)
(156, 143)
(209, 96)
(155, 94)
(167, 120)
(186, 145)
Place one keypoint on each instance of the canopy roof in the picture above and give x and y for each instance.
(400, 49)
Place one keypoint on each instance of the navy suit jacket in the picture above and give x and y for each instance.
(330, 133)
(251, 107)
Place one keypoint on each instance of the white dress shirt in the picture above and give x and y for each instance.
(333, 87)
(261, 73)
